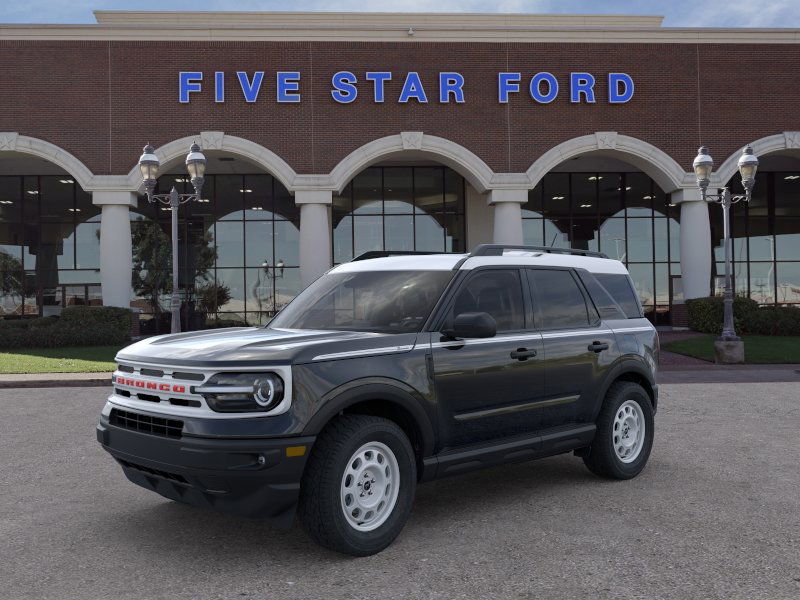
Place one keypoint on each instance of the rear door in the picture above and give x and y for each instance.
(578, 349)
(486, 387)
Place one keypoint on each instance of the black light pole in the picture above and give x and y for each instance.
(703, 165)
(196, 165)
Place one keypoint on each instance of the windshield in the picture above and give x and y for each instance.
(377, 301)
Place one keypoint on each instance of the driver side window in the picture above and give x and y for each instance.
(497, 292)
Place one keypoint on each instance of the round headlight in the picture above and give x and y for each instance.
(264, 392)
(242, 392)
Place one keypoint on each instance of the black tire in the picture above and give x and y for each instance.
(601, 458)
(320, 507)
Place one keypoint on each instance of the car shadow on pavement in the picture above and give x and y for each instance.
(165, 525)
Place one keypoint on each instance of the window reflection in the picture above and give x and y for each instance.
(399, 209)
(233, 248)
(766, 237)
(49, 246)
(624, 215)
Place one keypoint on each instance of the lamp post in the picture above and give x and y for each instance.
(277, 273)
(196, 165)
(703, 165)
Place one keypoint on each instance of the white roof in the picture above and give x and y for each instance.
(406, 262)
(446, 262)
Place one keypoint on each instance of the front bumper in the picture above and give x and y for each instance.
(254, 478)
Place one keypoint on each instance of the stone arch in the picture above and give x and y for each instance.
(656, 163)
(11, 141)
(444, 151)
(781, 142)
(218, 140)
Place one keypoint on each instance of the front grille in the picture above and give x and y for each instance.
(171, 428)
(187, 376)
(156, 472)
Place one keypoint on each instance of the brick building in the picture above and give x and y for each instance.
(328, 135)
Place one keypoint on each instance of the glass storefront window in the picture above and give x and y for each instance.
(762, 282)
(399, 209)
(624, 215)
(49, 245)
(788, 280)
(766, 234)
(612, 239)
(640, 240)
(234, 249)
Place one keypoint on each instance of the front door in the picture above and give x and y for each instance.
(486, 387)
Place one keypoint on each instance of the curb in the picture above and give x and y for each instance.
(54, 383)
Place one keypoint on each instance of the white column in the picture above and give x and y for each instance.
(508, 215)
(116, 256)
(315, 233)
(695, 243)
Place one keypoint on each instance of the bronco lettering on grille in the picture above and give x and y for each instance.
(150, 385)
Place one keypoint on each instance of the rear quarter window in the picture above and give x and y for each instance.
(620, 288)
(561, 304)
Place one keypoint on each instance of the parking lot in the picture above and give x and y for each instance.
(716, 514)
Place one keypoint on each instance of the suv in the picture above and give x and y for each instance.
(386, 372)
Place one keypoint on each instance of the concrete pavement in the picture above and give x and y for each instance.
(716, 514)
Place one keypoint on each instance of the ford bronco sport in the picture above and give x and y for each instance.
(386, 372)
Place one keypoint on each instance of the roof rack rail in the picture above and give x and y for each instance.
(384, 253)
(498, 249)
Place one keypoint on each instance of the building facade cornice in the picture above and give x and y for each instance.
(387, 27)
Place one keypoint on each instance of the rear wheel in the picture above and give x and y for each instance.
(358, 487)
(624, 433)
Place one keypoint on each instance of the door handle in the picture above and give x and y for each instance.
(598, 346)
(523, 353)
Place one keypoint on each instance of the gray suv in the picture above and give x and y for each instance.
(386, 372)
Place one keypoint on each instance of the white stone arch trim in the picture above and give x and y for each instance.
(218, 140)
(449, 153)
(11, 141)
(660, 166)
(788, 140)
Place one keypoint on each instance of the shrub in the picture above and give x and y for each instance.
(220, 323)
(77, 326)
(706, 315)
(781, 320)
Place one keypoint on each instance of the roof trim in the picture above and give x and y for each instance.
(362, 19)
(388, 27)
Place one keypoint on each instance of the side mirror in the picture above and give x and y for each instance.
(473, 325)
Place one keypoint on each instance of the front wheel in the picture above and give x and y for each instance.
(359, 484)
(624, 433)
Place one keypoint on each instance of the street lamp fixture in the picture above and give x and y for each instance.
(196, 166)
(277, 270)
(748, 165)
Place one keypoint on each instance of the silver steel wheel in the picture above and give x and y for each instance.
(370, 485)
(629, 431)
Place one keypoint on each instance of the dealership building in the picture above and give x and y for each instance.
(328, 135)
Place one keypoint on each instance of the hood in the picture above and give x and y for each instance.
(247, 345)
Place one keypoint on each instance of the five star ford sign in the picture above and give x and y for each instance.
(543, 87)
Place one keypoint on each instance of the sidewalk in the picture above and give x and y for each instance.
(681, 370)
(52, 380)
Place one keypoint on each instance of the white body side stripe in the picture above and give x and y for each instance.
(367, 352)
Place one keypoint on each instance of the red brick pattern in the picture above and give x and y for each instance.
(102, 100)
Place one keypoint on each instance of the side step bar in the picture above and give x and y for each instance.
(545, 443)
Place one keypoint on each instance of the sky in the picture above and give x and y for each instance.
(678, 13)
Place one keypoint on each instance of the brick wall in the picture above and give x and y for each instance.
(102, 101)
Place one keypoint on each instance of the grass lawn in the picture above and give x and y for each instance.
(763, 349)
(85, 359)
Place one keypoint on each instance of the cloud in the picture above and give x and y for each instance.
(678, 13)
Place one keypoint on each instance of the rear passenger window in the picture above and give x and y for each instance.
(497, 292)
(621, 290)
(559, 299)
